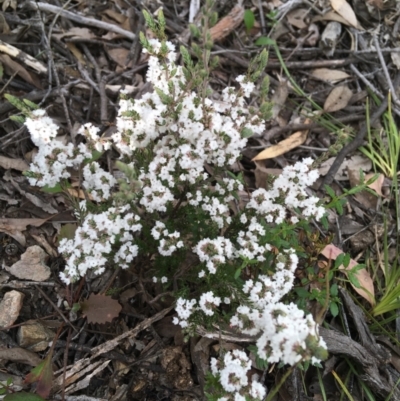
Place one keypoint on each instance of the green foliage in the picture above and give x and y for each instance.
(383, 147)
(249, 19)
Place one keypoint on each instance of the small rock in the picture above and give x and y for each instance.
(9, 308)
(32, 265)
(34, 336)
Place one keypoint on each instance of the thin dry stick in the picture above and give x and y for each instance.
(385, 70)
(55, 307)
(366, 82)
(80, 19)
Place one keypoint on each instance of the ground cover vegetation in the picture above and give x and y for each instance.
(163, 213)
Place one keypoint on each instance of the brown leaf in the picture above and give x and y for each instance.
(294, 140)
(14, 227)
(297, 18)
(338, 99)
(344, 10)
(16, 164)
(328, 75)
(367, 286)
(367, 199)
(262, 174)
(100, 308)
(120, 56)
(43, 375)
(13, 67)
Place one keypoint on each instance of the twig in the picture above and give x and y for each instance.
(275, 131)
(385, 70)
(55, 307)
(23, 57)
(366, 82)
(80, 19)
(352, 146)
(101, 83)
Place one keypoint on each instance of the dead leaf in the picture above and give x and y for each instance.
(100, 308)
(262, 174)
(344, 10)
(338, 99)
(294, 140)
(77, 32)
(296, 18)
(367, 286)
(13, 67)
(396, 59)
(367, 199)
(355, 162)
(332, 16)
(43, 375)
(115, 16)
(14, 227)
(328, 75)
(120, 56)
(15, 164)
(279, 97)
(76, 52)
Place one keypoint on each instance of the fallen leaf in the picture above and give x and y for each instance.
(355, 162)
(338, 99)
(344, 10)
(297, 17)
(279, 97)
(100, 308)
(367, 286)
(262, 174)
(15, 164)
(332, 16)
(328, 75)
(43, 375)
(13, 67)
(293, 141)
(14, 227)
(120, 56)
(367, 199)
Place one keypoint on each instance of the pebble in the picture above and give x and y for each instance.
(32, 265)
(10, 306)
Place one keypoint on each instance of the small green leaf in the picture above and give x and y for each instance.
(249, 19)
(334, 290)
(354, 280)
(56, 189)
(346, 260)
(330, 191)
(95, 156)
(246, 133)
(237, 273)
(339, 208)
(339, 260)
(264, 41)
(334, 309)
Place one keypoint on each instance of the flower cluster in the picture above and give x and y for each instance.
(232, 371)
(170, 138)
(55, 159)
(95, 239)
